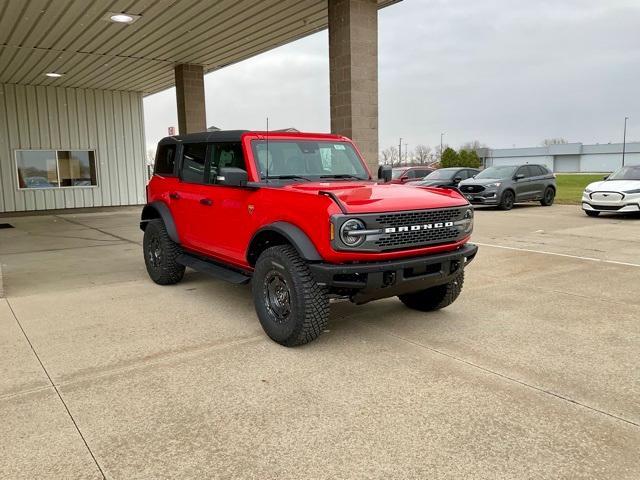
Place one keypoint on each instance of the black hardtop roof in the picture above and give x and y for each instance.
(204, 137)
(235, 136)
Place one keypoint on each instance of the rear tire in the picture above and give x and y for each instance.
(548, 197)
(293, 309)
(592, 213)
(435, 298)
(507, 200)
(160, 254)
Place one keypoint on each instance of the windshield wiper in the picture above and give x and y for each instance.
(288, 177)
(342, 175)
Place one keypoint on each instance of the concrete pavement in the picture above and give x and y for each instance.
(532, 373)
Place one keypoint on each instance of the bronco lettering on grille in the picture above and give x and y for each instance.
(416, 228)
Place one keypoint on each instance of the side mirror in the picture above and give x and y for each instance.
(457, 180)
(384, 173)
(232, 177)
(519, 176)
(605, 177)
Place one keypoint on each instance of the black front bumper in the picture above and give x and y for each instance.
(372, 281)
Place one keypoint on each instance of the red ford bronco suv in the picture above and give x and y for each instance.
(301, 216)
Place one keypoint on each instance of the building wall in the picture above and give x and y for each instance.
(109, 122)
(546, 160)
(607, 162)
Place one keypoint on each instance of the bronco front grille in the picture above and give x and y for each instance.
(434, 235)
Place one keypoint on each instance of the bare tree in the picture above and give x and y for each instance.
(553, 141)
(473, 146)
(422, 154)
(389, 156)
(151, 155)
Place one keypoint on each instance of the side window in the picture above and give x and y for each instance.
(461, 174)
(225, 155)
(421, 173)
(165, 160)
(524, 170)
(193, 160)
(411, 174)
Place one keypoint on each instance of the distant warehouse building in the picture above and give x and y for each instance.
(568, 157)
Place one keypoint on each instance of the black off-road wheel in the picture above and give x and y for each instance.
(435, 298)
(160, 254)
(592, 213)
(507, 200)
(293, 309)
(548, 197)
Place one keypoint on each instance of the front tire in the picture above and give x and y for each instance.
(548, 197)
(507, 200)
(293, 309)
(435, 298)
(160, 254)
(592, 213)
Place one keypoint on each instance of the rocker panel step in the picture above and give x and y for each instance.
(214, 269)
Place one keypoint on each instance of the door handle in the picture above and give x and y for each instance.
(174, 196)
(207, 202)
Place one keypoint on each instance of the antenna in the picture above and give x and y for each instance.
(267, 149)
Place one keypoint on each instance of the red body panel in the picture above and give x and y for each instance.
(224, 228)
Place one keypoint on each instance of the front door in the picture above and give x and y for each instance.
(222, 228)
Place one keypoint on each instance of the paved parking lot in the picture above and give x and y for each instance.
(532, 373)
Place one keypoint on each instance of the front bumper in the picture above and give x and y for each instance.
(483, 198)
(375, 280)
(618, 207)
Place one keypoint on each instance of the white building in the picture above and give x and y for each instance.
(569, 157)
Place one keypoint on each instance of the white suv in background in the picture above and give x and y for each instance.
(617, 193)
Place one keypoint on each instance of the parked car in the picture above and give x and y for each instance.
(617, 193)
(506, 185)
(300, 216)
(409, 174)
(446, 177)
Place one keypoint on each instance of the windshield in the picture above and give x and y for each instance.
(626, 173)
(497, 172)
(397, 172)
(442, 174)
(307, 160)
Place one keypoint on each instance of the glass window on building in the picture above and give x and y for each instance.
(56, 168)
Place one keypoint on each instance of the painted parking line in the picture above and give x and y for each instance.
(543, 252)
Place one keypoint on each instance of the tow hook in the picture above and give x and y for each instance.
(388, 278)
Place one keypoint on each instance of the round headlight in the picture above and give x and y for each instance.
(466, 224)
(348, 228)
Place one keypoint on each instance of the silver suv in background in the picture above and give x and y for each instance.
(506, 185)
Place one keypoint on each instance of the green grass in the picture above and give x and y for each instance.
(571, 186)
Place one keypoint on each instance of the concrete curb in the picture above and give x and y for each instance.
(1, 289)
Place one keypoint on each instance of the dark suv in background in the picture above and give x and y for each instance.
(506, 185)
(446, 177)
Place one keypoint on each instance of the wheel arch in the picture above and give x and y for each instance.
(281, 233)
(154, 210)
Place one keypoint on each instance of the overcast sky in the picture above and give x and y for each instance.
(505, 72)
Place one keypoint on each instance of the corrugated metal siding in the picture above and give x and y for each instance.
(109, 122)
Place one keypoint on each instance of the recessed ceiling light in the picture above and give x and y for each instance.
(126, 18)
(54, 74)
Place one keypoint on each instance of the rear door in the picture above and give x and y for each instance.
(537, 181)
(185, 200)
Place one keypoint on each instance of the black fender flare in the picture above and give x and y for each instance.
(149, 213)
(294, 235)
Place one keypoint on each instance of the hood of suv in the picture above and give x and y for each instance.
(614, 185)
(481, 181)
(370, 197)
